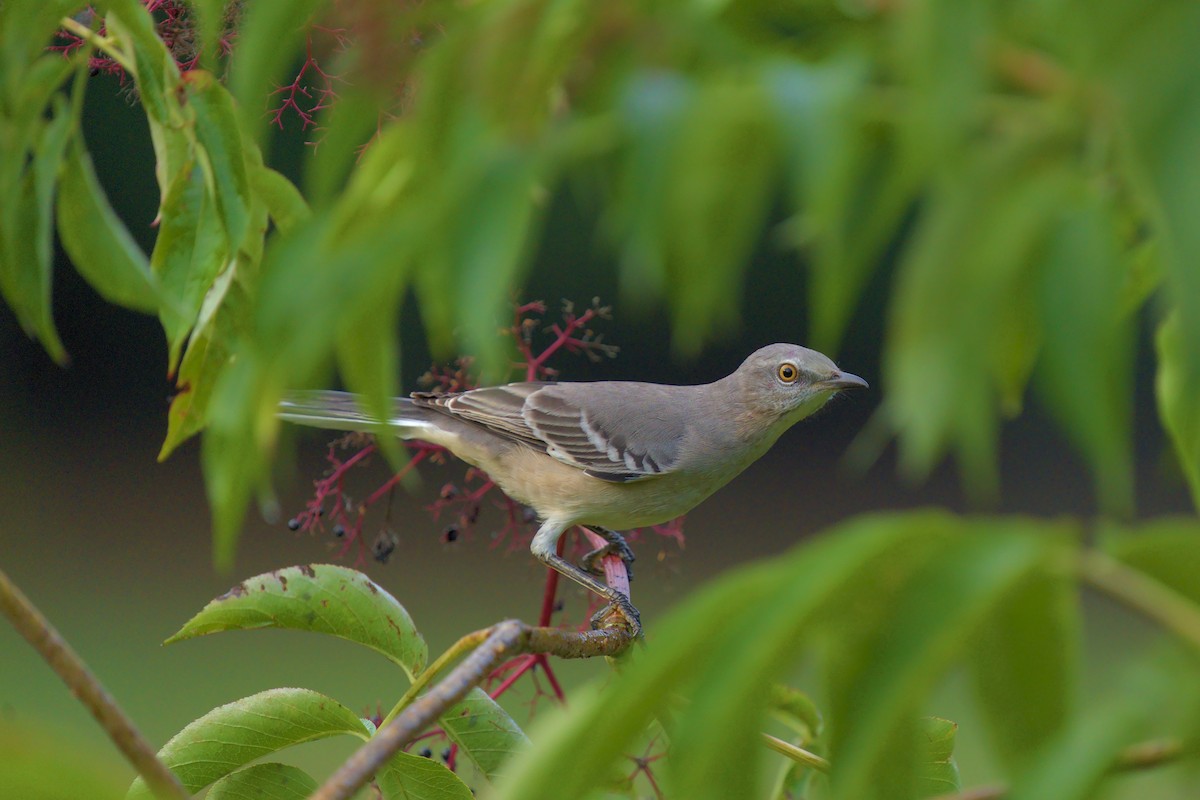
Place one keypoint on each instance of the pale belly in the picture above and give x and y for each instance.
(570, 496)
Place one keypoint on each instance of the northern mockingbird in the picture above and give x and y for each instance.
(608, 455)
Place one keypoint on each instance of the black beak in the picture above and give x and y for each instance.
(844, 380)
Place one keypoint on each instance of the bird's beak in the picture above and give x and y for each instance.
(844, 380)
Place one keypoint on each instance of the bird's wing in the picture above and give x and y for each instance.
(614, 431)
(497, 408)
(617, 431)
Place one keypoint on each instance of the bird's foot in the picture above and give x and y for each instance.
(617, 546)
(620, 612)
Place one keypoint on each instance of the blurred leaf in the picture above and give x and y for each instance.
(234, 453)
(933, 617)
(189, 253)
(283, 200)
(1087, 351)
(409, 777)
(799, 711)
(748, 621)
(1167, 550)
(98, 242)
(221, 150)
(210, 22)
(726, 148)
(25, 29)
(937, 772)
(1154, 78)
(159, 89)
(321, 598)
(1025, 662)
(222, 316)
(941, 52)
(967, 268)
(1177, 386)
(652, 113)
(827, 148)
(484, 732)
(240, 732)
(1071, 765)
(489, 244)
(268, 781)
(27, 260)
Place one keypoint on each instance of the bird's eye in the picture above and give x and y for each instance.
(788, 372)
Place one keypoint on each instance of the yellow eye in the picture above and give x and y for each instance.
(787, 372)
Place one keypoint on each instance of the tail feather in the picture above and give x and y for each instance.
(343, 411)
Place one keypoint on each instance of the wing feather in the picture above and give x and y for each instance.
(602, 429)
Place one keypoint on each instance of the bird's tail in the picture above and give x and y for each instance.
(343, 411)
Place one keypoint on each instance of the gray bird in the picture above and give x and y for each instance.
(607, 455)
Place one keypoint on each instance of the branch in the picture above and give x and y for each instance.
(108, 46)
(497, 644)
(1143, 755)
(797, 754)
(55, 651)
(1143, 594)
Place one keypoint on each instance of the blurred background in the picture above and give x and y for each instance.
(115, 547)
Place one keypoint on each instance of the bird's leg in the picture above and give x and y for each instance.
(617, 546)
(543, 547)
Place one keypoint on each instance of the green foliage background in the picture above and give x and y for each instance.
(1030, 165)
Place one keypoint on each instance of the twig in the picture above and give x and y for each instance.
(55, 651)
(500, 642)
(1143, 755)
(797, 754)
(1142, 593)
(106, 46)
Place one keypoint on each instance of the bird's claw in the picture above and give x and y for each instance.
(630, 617)
(615, 547)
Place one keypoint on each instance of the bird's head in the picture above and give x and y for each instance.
(790, 381)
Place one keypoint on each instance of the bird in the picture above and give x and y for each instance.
(605, 455)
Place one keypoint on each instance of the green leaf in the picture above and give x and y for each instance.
(489, 247)
(484, 732)
(799, 711)
(98, 242)
(1167, 550)
(369, 359)
(268, 781)
(210, 21)
(234, 453)
(827, 150)
(1177, 385)
(25, 29)
(26, 231)
(1085, 374)
(748, 620)
(933, 618)
(322, 598)
(283, 200)
(727, 148)
(222, 316)
(937, 772)
(240, 732)
(222, 149)
(1074, 763)
(968, 266)
(409, 777)
(189, 253)
(652, 112)
(1025, 661)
